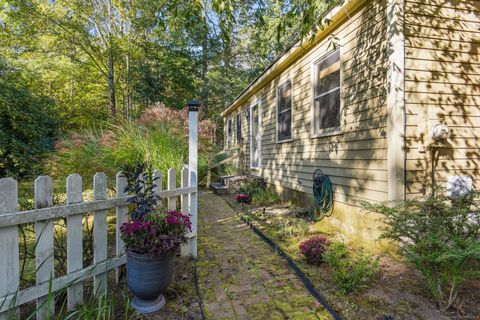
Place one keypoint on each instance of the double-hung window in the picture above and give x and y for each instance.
(239, 127)
(229, 133)
(284, 111)
(326, 95)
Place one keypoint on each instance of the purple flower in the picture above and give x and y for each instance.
(314, 248)
(162, 232)
(242, 198)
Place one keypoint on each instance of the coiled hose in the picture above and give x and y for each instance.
(322, 195)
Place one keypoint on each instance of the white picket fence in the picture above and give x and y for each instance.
(43, 216)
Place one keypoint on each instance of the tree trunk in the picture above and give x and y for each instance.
(111, 85)
(205, 66)
(127, 88)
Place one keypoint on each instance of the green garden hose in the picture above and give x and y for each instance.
(322, 195)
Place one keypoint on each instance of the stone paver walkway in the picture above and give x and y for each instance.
(240, 276)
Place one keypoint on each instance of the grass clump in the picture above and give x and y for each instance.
(349, 272)
(258, 194)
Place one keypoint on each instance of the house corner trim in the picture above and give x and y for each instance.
(396, 100)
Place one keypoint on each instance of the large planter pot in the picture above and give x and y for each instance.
(148, 278)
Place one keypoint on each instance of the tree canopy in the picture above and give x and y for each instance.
(104, 61)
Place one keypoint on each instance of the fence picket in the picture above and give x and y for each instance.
(100, 245)
(184, 206)
(9, 262)
(172, 184)
(74, 240)
(121, 217)
(44, 255)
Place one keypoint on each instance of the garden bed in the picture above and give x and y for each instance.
(396, 291)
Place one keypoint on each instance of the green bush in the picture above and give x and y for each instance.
(251, 187)
(440, 237)
(28, 126)
(109, 149)
(350, 271)
(265, 197)
(260, 196)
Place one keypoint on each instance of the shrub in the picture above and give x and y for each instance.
(251, 188)
(258, 194)
(242, 198)
(265, 197)
(350, 272)
(440, 237)
(28, 125)
(314, 248)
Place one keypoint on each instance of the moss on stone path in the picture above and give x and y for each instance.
(240, 276)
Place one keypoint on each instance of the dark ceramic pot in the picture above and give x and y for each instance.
(148, 278)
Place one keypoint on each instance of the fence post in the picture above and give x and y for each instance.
(121, 217)
(172, 184)
(9, 261)
(74, 240)
(192, 166)
(100, 232)
(44, 259)
(184, 206)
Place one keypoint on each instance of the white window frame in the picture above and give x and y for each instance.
(257, 102)
(284, 83)
(326, 131)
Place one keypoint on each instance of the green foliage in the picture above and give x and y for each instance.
(251, 187)
(109, 149)
(28, 125)
(440, 237)
(260, 196)
(265, 197)
(350, 272)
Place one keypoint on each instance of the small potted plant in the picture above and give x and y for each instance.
(152, 238)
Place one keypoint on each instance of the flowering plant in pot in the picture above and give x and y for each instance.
(151, 237)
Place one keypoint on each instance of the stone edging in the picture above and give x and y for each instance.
(306, 281)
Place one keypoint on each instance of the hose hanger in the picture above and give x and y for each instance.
(322, 195)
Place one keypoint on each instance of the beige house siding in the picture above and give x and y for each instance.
(442, 85)
(356, 159)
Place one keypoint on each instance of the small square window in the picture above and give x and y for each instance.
(326, 97)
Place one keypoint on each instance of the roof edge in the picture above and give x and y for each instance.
(336, 16)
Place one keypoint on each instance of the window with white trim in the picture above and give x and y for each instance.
(284, 111)
(326, 94)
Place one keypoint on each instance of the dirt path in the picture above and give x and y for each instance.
(240, 276)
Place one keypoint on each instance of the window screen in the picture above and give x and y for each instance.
(239, 128)
(326, 103)
(284, 112)
(229, 133)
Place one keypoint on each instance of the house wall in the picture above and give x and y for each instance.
(355, 160)
(442, 85)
